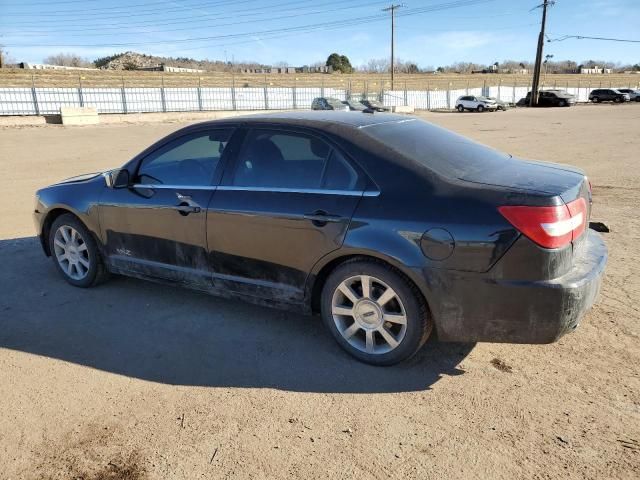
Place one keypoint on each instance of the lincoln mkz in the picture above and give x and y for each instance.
(387, 226)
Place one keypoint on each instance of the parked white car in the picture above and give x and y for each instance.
(476, 103)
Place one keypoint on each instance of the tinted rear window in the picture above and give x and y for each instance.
(440, 150)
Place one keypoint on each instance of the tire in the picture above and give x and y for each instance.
(637, 99)
(86, 267)
(361, 330)
(595, 100)
(562, 103)
(460, 108)
(480, 108)
(617, 100)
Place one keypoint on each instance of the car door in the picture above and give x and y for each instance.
(157, 226)
(286, 202)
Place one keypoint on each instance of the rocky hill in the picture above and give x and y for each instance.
(133, 61)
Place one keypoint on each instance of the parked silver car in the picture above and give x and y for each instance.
(328, 103)
(634, 95)
(476, 103)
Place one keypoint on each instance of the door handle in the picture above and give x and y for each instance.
(186, 205)
(320, 218)
(185, 209)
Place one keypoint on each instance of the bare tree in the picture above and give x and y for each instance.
(376, 65)
(5, 58)
(67, 60)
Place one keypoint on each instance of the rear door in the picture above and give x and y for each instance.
(286, 202)
(157, 227)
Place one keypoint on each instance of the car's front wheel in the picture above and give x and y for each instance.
(480, 108)
(595, 100)
(374, 312)
(460, 108)
(617, 100)
(75, 253)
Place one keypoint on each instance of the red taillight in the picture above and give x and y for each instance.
(549, 227)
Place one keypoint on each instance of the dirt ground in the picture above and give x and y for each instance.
(132, 380)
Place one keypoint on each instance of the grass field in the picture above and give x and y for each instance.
(353, 82)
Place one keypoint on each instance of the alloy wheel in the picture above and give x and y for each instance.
(369, 314)
(71, 252)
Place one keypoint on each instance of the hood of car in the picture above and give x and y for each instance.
(79, 178)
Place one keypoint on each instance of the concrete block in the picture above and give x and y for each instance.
(79, 116)
(402, 109)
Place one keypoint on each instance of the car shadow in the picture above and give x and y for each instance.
(176, 336)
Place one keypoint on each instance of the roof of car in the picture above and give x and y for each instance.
(318, 117)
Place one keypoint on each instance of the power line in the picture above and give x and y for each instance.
(124, 8)
(346, 22)
(191, 21)
(154, 12)
(584, 37)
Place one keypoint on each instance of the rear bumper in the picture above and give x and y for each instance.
(476, 308)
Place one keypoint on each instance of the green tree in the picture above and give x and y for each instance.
(339, 63)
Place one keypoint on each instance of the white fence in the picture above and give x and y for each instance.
(47, 101)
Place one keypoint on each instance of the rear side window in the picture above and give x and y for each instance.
(188, 160)
(277, 159)
(281, 160)
(339, 174)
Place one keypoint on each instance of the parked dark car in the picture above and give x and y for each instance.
(375, 105)
(634, 94)
(551, 98)
(385, 224)
(355, 106)
(328, 103)
(608, 95)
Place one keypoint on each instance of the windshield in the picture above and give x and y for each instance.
(440, 150)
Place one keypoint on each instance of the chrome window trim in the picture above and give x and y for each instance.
(174, 187)
(231, 188)
(352, 193)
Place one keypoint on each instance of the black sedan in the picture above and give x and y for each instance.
(386, 225)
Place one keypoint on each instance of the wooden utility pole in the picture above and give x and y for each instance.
(533, 101)
(392, 8)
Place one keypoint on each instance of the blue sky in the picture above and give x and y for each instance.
(302, 32)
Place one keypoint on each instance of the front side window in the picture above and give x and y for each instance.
(189, 160)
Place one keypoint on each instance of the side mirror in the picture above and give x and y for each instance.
(119, 178)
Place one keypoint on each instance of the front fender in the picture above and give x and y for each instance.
(80, 199)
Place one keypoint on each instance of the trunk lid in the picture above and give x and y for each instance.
(545, 178)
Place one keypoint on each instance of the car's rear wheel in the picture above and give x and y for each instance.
(480, 108)
(75, 253)
(374, 312)
(460, 108)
